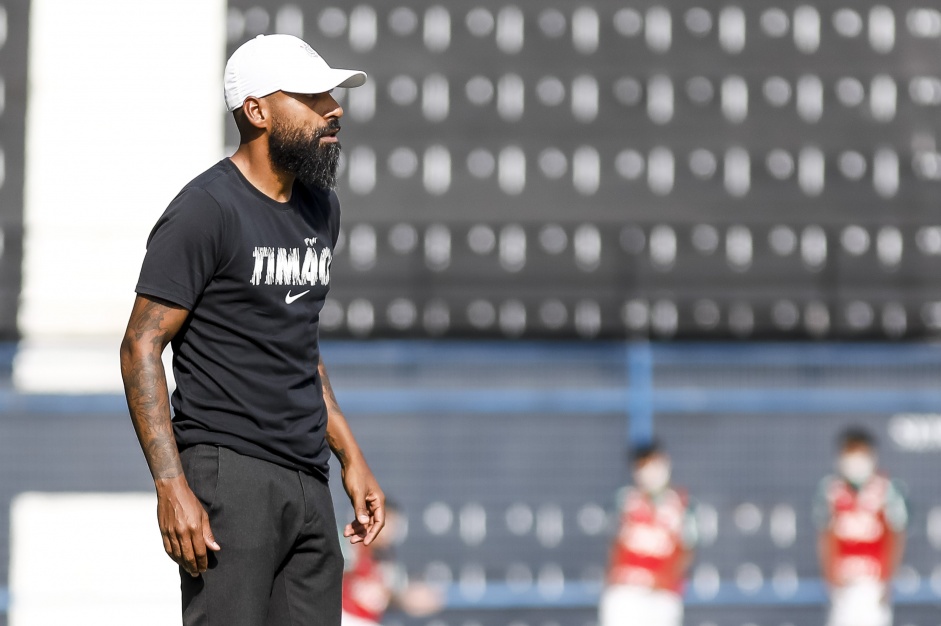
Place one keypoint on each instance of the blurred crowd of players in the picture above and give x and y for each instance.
(860, 514)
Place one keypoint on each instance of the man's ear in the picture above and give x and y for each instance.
(256, 112)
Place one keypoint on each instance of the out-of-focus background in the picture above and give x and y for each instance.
(568, 226)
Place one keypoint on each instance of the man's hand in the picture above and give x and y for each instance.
(184, 525)
(183, 522)
(365, 495)
(368, 503)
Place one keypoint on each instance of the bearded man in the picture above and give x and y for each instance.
(235, 276)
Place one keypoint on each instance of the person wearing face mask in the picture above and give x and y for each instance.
(861, 516)
(653, 549)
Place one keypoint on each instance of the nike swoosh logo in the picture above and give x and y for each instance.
(289, 298)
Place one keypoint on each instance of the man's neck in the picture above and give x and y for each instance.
(253, 162)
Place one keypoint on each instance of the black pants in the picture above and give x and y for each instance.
(280, 562)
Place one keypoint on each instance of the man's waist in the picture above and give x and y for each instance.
(313, 462)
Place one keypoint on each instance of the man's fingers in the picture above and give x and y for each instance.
(175, 552)
(184, 526)
(369, 517)
(208, 538)
(379, 515)
(357, 528)
(202, 561)
(378, 518)
(374, 529)
(188, 561)
(201, 539)
(355, 532)
(198, 541)
(362, 512)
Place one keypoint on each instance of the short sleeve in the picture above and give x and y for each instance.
(184, 249)
(896, 509)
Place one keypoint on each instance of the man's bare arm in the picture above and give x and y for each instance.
(183, 522)
(152, 325)
(365, 495)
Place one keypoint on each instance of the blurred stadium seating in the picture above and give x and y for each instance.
(677, 169)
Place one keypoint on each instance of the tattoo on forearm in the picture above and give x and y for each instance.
(337, 447)
(337, 425)
(145, 387)
(148, 401)
(328, 395)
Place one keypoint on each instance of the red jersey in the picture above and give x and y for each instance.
(653, 534)
(366, 591)
(862, 522)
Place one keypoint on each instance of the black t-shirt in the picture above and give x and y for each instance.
(253, 272)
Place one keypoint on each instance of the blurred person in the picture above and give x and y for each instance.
(653, 549)
(861, 517)
(235, 275)
(374, 580)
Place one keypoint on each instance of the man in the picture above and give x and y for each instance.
(861, 516)
(374, 580)
(653, 549)
(235, 276)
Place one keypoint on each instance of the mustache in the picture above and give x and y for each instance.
(333, 126)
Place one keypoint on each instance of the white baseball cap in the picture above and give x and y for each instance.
(270, 63)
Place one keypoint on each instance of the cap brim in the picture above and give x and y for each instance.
(353, 78)
(326, 80)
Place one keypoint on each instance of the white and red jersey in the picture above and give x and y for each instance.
(368, 586)
(653, 534)
(862, 522)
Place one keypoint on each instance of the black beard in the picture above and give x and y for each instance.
(299, 153)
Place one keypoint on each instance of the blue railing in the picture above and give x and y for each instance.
(563, 401)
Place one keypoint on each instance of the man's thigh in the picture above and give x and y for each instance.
(308, 586)
(255, 511)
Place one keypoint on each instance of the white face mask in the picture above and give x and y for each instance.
(856, 467)
(654, 476)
